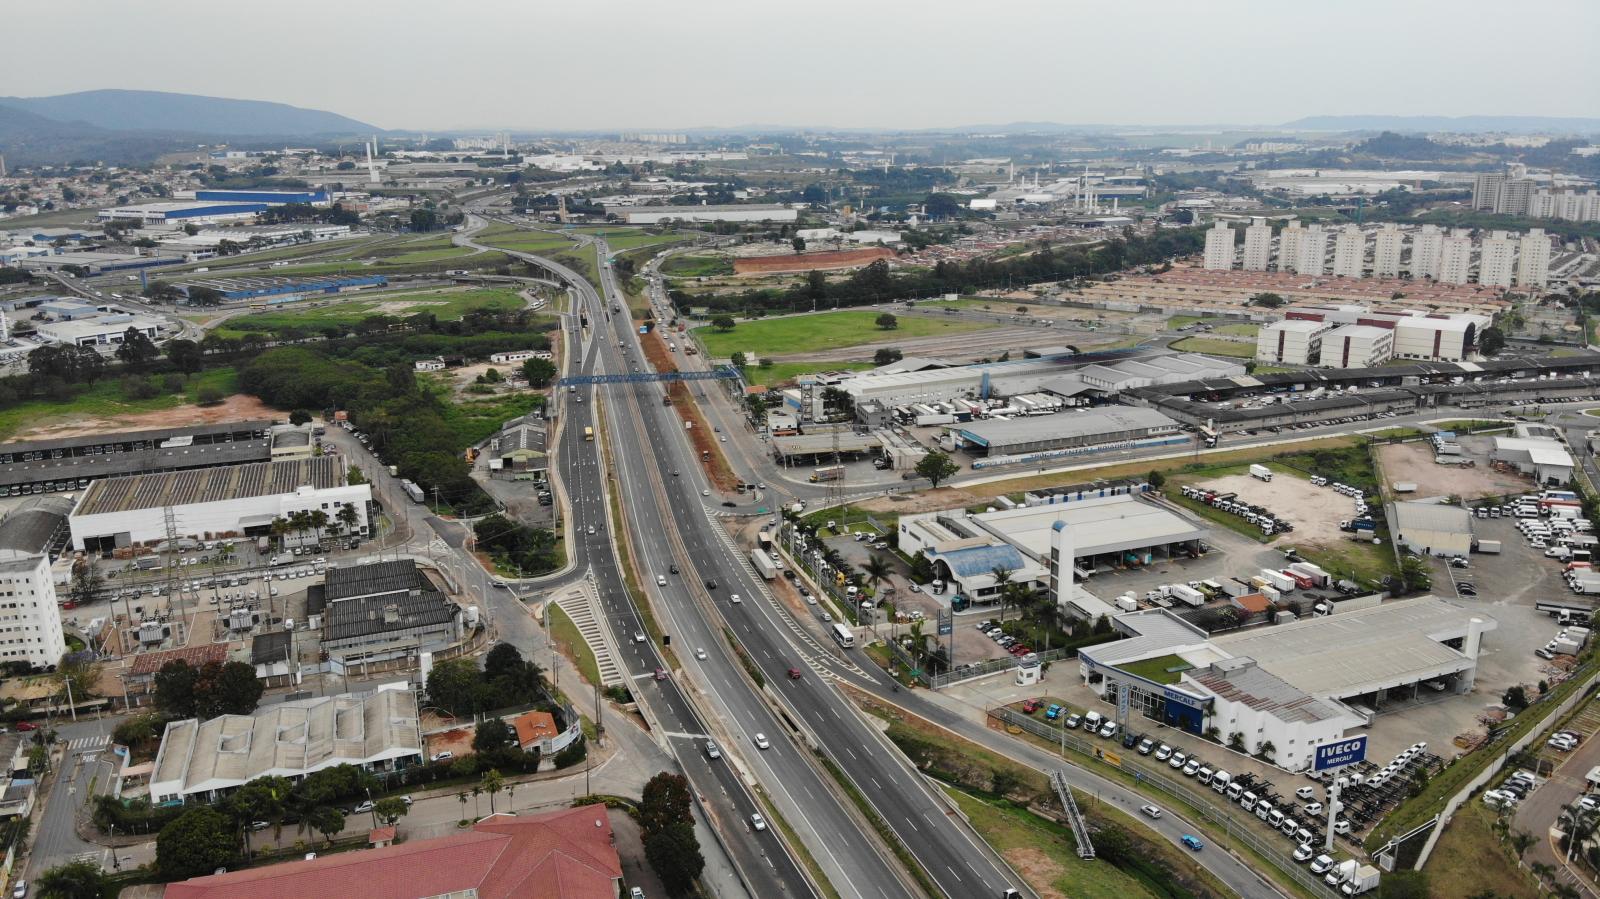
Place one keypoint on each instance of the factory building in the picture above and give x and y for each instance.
(1291, 341)
(197, 213)
(270, 197)
(97, 263)
(70, 463)
(1295, 685)
(30, 619)
(1357, 346)
(212, 502)
(382, 611)
(654, 215)
(1542, 457)
(106, 329)
(1065, 430)
(1434, 529)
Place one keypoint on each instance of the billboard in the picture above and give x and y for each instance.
(1340, 753)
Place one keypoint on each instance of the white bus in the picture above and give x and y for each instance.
(842, 635)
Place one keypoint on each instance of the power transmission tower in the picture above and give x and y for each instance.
(174, 586)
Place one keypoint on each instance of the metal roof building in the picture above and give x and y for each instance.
(1434, 529)
(1087, 427)
(72, 461)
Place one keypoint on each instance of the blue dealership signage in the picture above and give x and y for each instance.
(1340, 753)
(1181, 698)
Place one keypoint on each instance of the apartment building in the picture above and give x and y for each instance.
(1257, 246)
(1426, 250)
(1533, 259)
(1495, 265)
(1219, 247)
(1386, 250)
(1314, 252)
(30, 618)
(1455, 258)
(1349, 252)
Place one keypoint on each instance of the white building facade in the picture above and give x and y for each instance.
(1533, 259)
(1349, 252)
(1257, 246)
(1357, 346)
(1290, 341)
(1386, 249)
(30, 617)
(1426, 250)
(1219, 247)
(1496, 265)
(1455, 258)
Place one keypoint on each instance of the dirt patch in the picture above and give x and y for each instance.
(457, 741)
(701, 435)
(924, 501)
(239, 407)
(1315, 512)
(1039, 870)
(398, 307)
(1414, 462)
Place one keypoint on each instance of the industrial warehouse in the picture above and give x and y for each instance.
(1078, 429)
(1294, 685)
(208, 503)
(69, 463)
(1105, 527)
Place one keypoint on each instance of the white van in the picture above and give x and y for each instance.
(1092, 721)
(1108, 730)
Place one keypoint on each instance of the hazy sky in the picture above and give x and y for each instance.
(532, 64)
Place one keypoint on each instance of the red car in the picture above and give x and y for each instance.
(26, 725)
(794, 673)
(1030, 706)
(1019, 649)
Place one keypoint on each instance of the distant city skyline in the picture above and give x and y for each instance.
(498, 64)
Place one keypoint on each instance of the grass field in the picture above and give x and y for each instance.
(1215, 347)
(1182, 321)
(822, 331)
(566, 635)
(780, 372)
(1157, 669)
(105, 400)
(433, 255)
(1469, 858)
(690, 265)
(393, 265)
(1237, 329)
(446, 305)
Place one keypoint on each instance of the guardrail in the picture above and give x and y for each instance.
(1271, 850)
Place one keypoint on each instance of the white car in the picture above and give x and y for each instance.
(1303, 852)
(638, 636)
(1150, 811)
(756, 821)
(734, 598)
(1499, 798)
(661, 580)
(443, 756)
(761, 742)
(705, 493)
(700, 654)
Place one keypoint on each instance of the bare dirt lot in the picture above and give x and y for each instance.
(1414, 462)
(239, 407)
(1315, 512)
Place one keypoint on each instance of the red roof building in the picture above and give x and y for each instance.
(566, 854)
(535, 730)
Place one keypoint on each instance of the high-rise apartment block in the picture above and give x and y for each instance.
(1349, 252)
(1426, 248)
(1533, 259)
(1313, 252)
(1495, 265)
(1219, 247)
(1455, 260)
(1257, 246)
(1386, 249)
(1290, 241)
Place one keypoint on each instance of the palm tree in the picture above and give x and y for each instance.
(1522, 841)
(349, 517)
(493, 783)
(280, 527)
(318, 520)
(477, 808)
(463, 797)
(877, 569)
(1002, 579)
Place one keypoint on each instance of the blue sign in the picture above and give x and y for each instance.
(1182, 698)
(1340, 753)
(1124, 694)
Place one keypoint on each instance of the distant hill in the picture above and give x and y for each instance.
(122, 110)
(28, 139)
(1511, 123)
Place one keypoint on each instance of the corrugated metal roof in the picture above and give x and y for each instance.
(1432, 517)
(1242, 680)
(1065, 425)
(975, 560)
(370, 614)
(28, 530)
(210, 485)
(373, 578)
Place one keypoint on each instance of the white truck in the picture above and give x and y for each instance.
(763, 564)
(1187, 595)
(1341, 872)
(1488, 546)
(1277, 579)
(1319, 578)
(1364, 880)
(1261, 472)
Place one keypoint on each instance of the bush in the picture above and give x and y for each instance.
(209, 395)
(572, 755)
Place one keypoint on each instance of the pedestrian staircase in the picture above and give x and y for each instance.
(1080, 827)
(578, 602)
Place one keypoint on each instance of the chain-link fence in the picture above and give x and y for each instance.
(1229, 819)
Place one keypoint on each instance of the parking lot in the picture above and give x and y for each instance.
(1414, 463)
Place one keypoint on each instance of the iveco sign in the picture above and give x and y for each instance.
(1340, 753)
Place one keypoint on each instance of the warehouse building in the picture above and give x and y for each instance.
(283, 289)
(213, 502)
(195, 213)
(1296, 685)
(109, 329)
(97, 263)
(70, 463)
(206, 760)
(1291, 341)
(1545, 459)
(30, 621)
(1106, 528)
(382, 611)
(1417, 335)
(520, 448)
(1067, 430)
(653, 215)
(1434, 529)
(1357, 346)
(270, 197)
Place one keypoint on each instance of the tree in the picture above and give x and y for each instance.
(1002, 581)
(539, 372)
(200, 295)
(230, 688)
(1491, 340)
(136, 350)
(86, 581)
(175, 689)
(738, 359)
(723, 323)
(196, 842)
(263, 799)
(209, 395)
(936, 467)
(326, 820)
(74, 880)
(1522, 841)
(877, 569)
(185, 355)
(887, 355)
(453, 686)
(492, 734)
(1266, 300)
(674, 853)
(1515, 697)
(503, 659)
(299, 417)
(391, 809)
(886, 321)
(799, 244)
(664, 802)
(1155, 479)
(1414, 574)
(493, 783)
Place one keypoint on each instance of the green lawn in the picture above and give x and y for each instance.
(1215, 347)
(106, 400)
(1182, 321)
(1460, 425)
(433, 255)
(780, 372)
(1237, 329)
(394, 265)
(1157, 669)
(692, 265)
(446, 305)
(566, 635)
(797, 334)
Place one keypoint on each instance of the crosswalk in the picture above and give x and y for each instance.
(87, 744)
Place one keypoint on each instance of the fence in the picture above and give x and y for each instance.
(1498, 763)
(983, 669)
(1271, 850)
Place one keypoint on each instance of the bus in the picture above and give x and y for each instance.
(588, 433)
(842, 636)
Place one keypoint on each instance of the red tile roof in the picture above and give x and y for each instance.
(151, 662)
(534, 726)
(565, 854)
(381, 835)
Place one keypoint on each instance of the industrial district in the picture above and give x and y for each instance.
(1041, 512)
